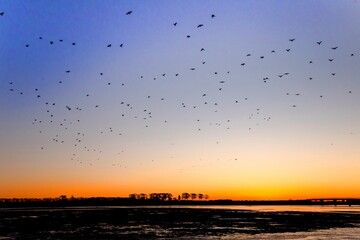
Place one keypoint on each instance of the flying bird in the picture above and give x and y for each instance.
(292, 39)
(129, 12)
(200, 25)
(319, 42)
(175, 23)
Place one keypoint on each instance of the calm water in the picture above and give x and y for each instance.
(329, 208)
(180, 222)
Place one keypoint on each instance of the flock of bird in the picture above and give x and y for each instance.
(74, 122)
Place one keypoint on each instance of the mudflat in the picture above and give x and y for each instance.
(150, 223)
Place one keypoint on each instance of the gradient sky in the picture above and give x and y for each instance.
(288, 137)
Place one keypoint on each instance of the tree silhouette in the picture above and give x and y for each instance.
(193, 196)
(141, 196)
(132, 195)
(200, 196)
(185, 196)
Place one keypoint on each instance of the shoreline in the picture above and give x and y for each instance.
(99, 201)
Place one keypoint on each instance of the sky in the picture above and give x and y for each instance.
(234, 99)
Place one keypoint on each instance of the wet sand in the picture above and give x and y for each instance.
(151, 223)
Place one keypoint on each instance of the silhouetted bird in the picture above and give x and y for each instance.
(188, 36)
(73, 44)
(51, 42)
(2, 13)
(68, 71)
(334, 48)
(175, 23)
(27, 45)
(129, 12)
(288, 50)
(212, 16)
(319, 42)
(292, 39)
(109, 45)
(200, 25)
(121, 45)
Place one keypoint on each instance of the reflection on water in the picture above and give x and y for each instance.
(271, 208)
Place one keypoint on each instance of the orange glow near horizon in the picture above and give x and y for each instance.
(269, 192)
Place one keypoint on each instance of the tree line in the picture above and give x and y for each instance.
(169, 196)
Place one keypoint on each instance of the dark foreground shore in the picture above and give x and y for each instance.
(151, 223)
